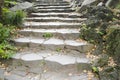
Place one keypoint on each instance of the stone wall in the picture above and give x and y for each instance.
(102, 28)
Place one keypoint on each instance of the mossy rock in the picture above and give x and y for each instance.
(101, 61)
(113, 42)
(109, 73)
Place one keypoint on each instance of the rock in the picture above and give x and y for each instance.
(21, 6)
(16, 77)
(109, 73)
(112, 3)
(76, 3)
(1, 74)
(113, 43)
(102, 61)
(85, 4)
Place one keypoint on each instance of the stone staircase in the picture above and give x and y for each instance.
(50, 46)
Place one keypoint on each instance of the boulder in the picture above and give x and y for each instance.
(109, 73)
(85, 4)
(76, 3)
(22, 6)
(113, 42)
(112, 3)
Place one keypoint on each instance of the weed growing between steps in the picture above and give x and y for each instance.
(47, 35)
(103, 29)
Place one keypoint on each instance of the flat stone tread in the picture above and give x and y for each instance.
(52, 41)
(49, 76)
(62, 31)
(31, 23)
(53, 9)
(61, 59)
(52, 13)
(59, 18)
(37, 7)
(53, 4)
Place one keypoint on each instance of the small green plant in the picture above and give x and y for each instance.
(58, 49)
(47, 35)
(95, 69)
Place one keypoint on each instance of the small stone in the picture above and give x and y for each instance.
(45, 71)
(70, 74)
(7, 73)
(84, 71)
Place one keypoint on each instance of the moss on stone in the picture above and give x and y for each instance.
(113, 43)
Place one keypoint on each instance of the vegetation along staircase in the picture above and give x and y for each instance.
(50, 45)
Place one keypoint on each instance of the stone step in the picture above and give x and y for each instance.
(53, 44)
(54, 19)
(21, 75)
(52, 4)
(53, 62)
(54, 10)
(56, 33)
(53, 7)
(52, 14)
(51, 25)
(45, 66)
(43, 70)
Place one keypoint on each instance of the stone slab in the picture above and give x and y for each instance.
(50, 25)
(53, 44)
(54, 10)
(55, 19)
(52, 7)
(62, 14)
(58, 35)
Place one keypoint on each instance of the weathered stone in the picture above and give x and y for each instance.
(112, 3)
(21, 6)
(51, 25)
(101, 61)
(52, 7)
(57, 33)
(15, 77)
(55, 10)
(86, 3)
(54, 19)
(50, 1)
(31, 57)
(69, 15)
(109, 73)
(113, 42)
